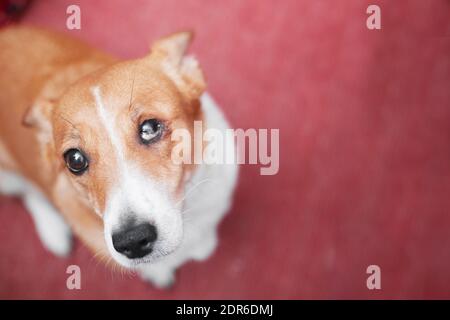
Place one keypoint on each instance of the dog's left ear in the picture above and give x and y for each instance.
(187, 74)
(38, 115)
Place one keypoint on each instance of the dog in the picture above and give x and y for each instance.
(85, 141)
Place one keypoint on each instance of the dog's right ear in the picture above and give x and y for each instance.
(39, 114)
(184, 70)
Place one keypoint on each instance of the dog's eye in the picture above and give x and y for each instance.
(76, 161)
(151, 131)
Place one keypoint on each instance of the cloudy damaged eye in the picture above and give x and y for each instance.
(150, 131)
(76, 161)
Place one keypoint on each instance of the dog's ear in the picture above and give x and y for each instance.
(184, 70)
(174, 46)
(39, 114)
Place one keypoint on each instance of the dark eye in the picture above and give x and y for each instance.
(76, 161)
(151, 131)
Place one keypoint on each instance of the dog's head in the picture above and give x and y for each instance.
(111, 133)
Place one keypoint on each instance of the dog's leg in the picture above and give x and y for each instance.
(11, 184)
(51, 227)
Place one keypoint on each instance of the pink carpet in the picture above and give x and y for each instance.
(364, 119)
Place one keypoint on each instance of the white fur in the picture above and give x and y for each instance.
(50, 226)
(108, 122)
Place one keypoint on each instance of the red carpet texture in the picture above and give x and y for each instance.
(364, 119)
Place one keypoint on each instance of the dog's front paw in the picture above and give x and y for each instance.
(56, 236)
(59, 241)
(53, 231)
(158, 276)
(203, 249)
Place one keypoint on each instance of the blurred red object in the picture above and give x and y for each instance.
(11, 10)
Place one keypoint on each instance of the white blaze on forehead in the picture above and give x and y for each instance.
(108, 121)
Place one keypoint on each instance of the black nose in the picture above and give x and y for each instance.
(135, 242)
